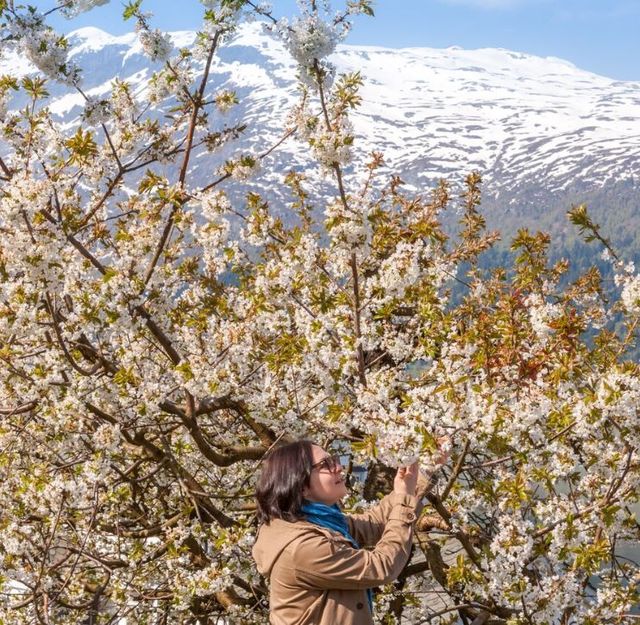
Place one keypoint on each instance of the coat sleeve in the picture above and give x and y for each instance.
(324, 563)
(367, 527)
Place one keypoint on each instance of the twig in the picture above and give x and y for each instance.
(187, 155)
(456, 471)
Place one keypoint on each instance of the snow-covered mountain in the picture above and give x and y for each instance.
(544, 133)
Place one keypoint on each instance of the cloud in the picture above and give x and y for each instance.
(491, 4)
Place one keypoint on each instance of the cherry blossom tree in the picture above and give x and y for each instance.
(158, 338)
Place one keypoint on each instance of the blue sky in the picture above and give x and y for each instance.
(601, 36)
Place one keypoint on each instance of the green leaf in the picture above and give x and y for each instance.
(184, 368)
(366, 8)
(367, 445)
(35, 87)
(591, 556)
(82, 147)
(131, 9)
(336, 411)
(8, 82)
(150, 181)
(108, 274)
(125, 376)
(609, 514)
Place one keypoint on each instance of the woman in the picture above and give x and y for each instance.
(313, 554)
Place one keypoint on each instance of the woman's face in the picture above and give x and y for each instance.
(325, 485)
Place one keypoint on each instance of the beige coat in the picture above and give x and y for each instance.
(318, 578)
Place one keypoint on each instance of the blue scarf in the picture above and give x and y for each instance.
(332, 518)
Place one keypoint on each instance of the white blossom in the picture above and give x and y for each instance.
(96, 111)
(44, 48)
(309, 38)
(541, 315)
(156, 44)
(631, 295)
(73, 8)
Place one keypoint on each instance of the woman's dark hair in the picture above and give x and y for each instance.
(285, 472)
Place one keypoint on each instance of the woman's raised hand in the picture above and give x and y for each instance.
(406, 479)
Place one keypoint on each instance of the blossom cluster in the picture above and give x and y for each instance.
(43, 47)
(73, 8)
(331, 145)
(172, 80)
(310, 39)
(241, 168)
(96, 111)
(156, 44)
(629, 282)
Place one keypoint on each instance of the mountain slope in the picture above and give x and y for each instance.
(543, 133)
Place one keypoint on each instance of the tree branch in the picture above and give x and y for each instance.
(62, 344)
(196, 490)
(187, 155)
(456, 472)
(8, 412)
(230, 456)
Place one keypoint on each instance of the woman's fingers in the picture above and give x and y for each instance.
(408, 469)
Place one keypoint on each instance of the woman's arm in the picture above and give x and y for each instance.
(368, 526)
(324, 563)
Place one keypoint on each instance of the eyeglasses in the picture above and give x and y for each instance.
(330, 463)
